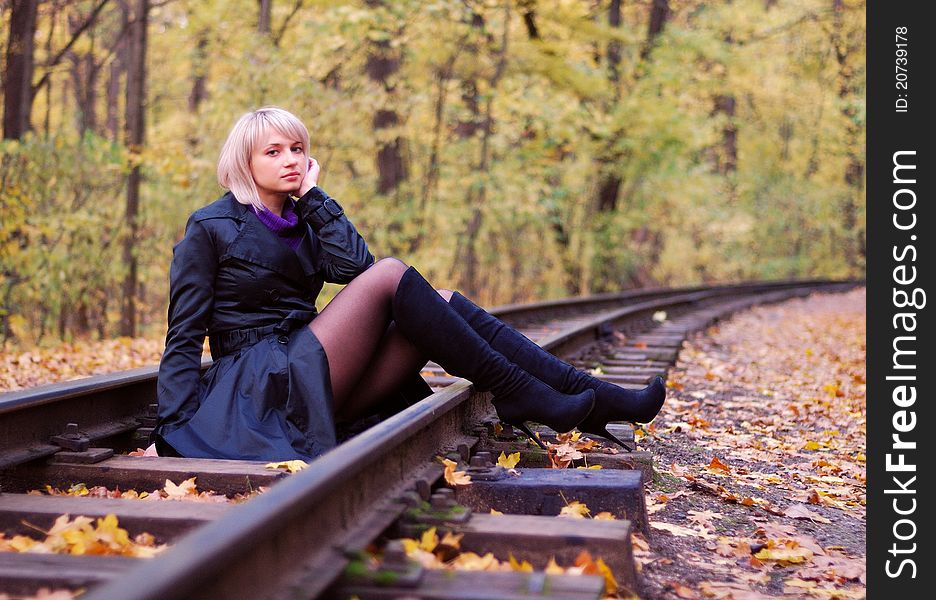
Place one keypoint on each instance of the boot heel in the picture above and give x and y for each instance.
(603, 432)
(526, 429)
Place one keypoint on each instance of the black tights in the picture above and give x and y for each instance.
(367, 357)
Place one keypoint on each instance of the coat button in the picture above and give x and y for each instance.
(274, 295)
(283, 339)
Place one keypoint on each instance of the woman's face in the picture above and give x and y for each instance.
(278, 165)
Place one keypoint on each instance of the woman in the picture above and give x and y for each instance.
(247, 274)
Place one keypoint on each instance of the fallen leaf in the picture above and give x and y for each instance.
(453, 477)
(682, 591)
(523, 567)
(574, 510)
(799, 511)
(717, 466)
(186, 488)
(785, 554)
(293, 466)
(679, 530)
(508, 462)
(552, 568)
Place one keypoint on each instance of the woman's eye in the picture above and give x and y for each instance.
(297, 150)
(271, 152)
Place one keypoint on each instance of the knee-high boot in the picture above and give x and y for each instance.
(428, 321)
(612, 402)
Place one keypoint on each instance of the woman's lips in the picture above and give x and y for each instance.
(291, 176)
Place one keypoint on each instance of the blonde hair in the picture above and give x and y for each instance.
(248, 132)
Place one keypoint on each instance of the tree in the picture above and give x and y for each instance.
(135, 136)
(18, 90)
(383, 64)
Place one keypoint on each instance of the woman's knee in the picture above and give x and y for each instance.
(389, 265)
(385, 273)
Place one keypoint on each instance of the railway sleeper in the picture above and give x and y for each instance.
(535, 491)
(532, 456)
(26, 574)
(20, 514)
(227, 477)
(474, 585)
(535, 539)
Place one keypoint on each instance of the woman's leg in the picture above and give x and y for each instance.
(351, 326)
(368, 357)
(395, 360)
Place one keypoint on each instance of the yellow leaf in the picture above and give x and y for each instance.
(605, 516)
(516, 565)
(811, 445)
(22, 543)
(453, 477)
(410, 546)
(429, 540)
(611, 584)
(186, 488)
(79, 489)
(293, 466)
(574, 510)
(508, 462)
(787, 555)
(496, 513)
(552, 568)
(452, 540)
(469, 561)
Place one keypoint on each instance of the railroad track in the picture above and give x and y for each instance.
(313, 534)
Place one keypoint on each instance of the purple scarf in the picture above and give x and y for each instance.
(286, 228)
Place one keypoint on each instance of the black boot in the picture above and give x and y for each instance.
(612, 402)
(428, 321)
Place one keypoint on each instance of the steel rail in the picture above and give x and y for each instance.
(294, 540)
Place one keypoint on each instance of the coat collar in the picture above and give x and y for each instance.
(257, 244)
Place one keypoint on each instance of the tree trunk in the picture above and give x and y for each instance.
(854, 167)
(614, 48)
(118, 67)
(136, 103)
(47, 121)
(84, 73)
(609, 183)
(265, 17)
(477, 199)
(383, 63)
(528, 8)
(659, 12)
(17, 85)
(198, 94)
(726, 161)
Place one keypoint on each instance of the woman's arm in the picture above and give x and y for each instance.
(345, 253)
(191, 299)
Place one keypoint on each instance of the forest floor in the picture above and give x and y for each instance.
(760, 458)
(24, 368)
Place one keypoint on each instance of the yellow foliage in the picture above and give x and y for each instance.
(508, 462)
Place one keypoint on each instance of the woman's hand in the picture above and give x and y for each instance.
(311, 177)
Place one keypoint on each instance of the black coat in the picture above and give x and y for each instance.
(267, 395)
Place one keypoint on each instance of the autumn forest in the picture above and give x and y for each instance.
(512, 149)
